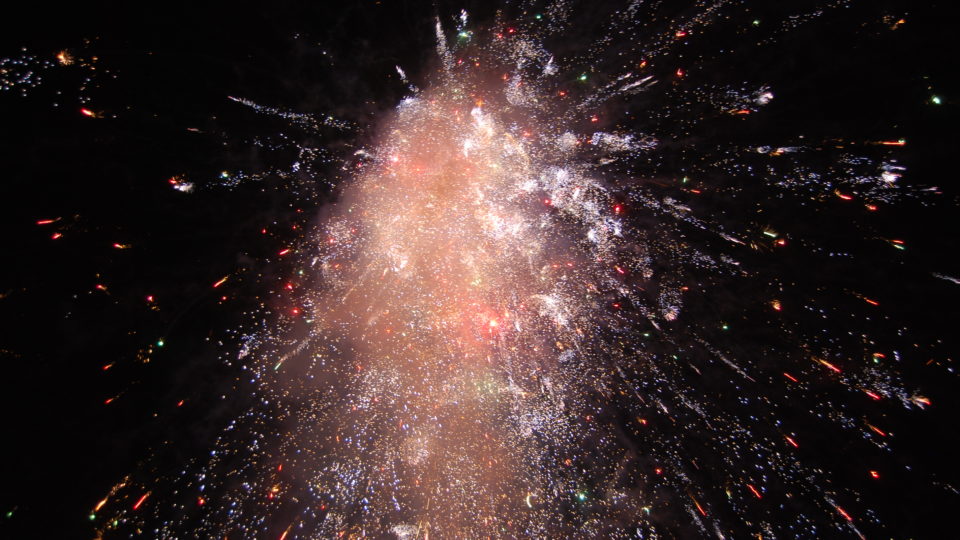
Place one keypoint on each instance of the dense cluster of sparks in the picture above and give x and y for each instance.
(487, 334)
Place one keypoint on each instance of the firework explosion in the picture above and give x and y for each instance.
(543, 306)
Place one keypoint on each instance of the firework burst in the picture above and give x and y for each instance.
(519, 320)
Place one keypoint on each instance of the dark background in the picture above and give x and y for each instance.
(843, 76)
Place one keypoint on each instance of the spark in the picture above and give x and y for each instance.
(136, 506)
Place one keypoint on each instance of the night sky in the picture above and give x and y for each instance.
(209, 210)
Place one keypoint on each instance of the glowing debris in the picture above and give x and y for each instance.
(139, 503)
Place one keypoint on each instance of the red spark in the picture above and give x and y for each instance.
(700, 508)
(830, 366)
(137, 505)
